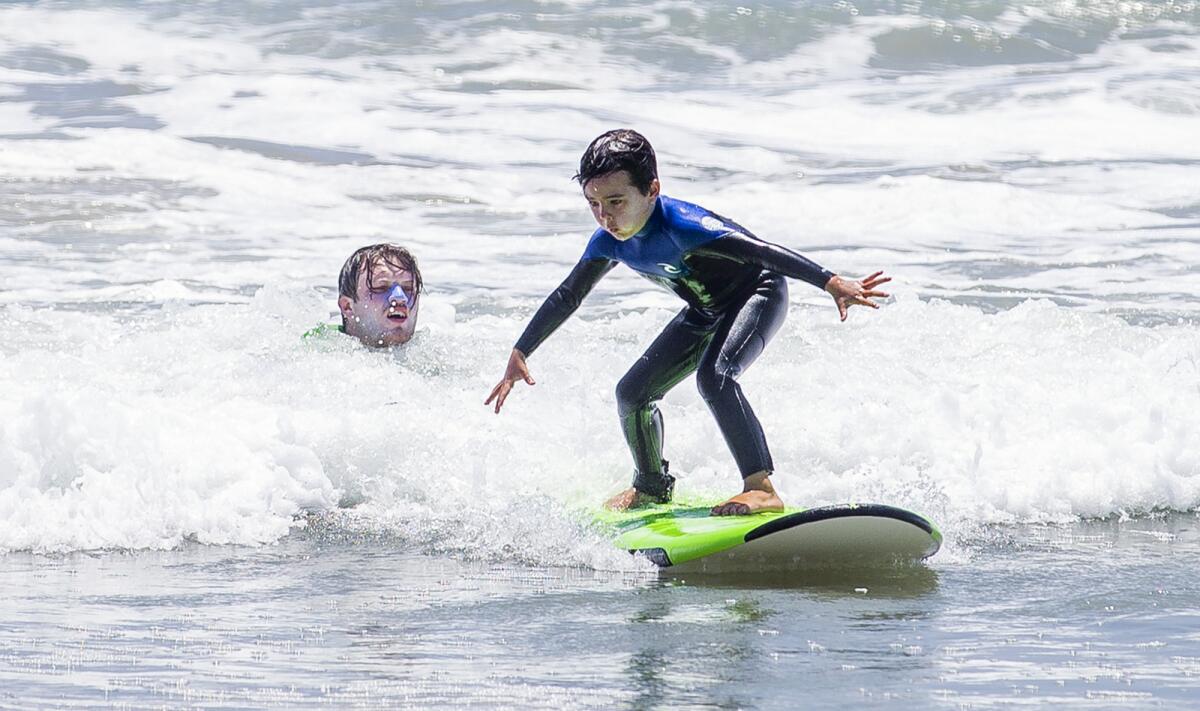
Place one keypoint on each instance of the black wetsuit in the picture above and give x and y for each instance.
(736, 293)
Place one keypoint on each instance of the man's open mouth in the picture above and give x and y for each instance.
(397, 316)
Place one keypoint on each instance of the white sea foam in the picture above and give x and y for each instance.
(220, 424)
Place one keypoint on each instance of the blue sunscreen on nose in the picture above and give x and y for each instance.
(398, 294)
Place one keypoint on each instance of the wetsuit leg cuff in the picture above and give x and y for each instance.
(659, 486)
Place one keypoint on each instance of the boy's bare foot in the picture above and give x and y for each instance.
(748, 502)
(631, 498)
(757, 495)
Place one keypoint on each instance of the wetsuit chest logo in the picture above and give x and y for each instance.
(670, 268)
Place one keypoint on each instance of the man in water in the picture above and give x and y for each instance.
(380, 294)
(735, 287)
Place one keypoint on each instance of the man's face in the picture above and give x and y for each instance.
(617, 205)
(385, 312)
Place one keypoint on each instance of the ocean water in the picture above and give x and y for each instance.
(200, 509)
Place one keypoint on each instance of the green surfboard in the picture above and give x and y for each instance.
(687, 539)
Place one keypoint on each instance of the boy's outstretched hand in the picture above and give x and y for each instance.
(515, 371)
(848, 292)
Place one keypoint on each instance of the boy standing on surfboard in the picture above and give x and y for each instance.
(735, 287)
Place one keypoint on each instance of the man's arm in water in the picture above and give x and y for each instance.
(556, 309)
(781, 260)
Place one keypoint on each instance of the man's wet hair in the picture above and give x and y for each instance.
(620, 149)
(369, 258)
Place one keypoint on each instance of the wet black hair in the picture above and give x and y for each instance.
(370, 257)
(620, 149)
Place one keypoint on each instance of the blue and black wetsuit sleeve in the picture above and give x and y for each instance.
(781, 260)
(559, 306)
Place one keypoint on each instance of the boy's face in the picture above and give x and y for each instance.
(617, 205)
(385, 311)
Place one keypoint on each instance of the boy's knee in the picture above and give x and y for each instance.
(710, 383)
(630, 394)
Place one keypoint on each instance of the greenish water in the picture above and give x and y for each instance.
(1091, 615)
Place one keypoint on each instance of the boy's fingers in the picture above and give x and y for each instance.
(499, 394)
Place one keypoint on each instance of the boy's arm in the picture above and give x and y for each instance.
(751, 250)
(781, 260)
(554, 310)
(563, 302)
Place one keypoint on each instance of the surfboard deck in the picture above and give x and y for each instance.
(687, 539)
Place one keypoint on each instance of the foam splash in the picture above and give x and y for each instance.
(220, 425)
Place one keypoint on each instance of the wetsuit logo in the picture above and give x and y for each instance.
(670, 269)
